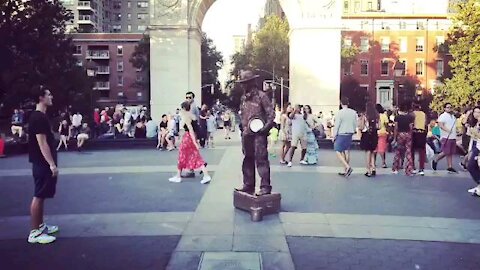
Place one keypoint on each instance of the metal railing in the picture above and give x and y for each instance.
(98, 54)
(102, 86)
(103, 70)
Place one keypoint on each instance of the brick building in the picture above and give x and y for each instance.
(385, 39)
(115, 77)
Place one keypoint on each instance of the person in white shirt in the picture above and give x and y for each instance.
(76, 123)
(299, 135)
(448, 138)
(345, 127)
(211, 127)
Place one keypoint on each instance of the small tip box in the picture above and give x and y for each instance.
(269, 204)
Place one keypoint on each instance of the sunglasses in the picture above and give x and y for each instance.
(188, 97)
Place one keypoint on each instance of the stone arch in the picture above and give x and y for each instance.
(175, 38)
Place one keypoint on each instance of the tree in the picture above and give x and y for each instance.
(212, 62)
(349, 54)
(357, 96)
(463, 89)
(34, 50)
(140, 59)
(271, 47)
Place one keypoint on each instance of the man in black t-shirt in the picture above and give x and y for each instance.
(43, 156)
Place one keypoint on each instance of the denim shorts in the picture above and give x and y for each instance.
(342, 142)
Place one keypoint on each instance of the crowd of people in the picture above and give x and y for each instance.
(406, 132)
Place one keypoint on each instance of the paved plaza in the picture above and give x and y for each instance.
(117, 210)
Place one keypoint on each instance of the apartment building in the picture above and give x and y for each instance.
(384, 40)
(108, 16)
(115, 76)
(358, 6)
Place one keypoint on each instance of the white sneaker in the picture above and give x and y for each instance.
(473, 190)
(415, 171)
(394, 172)
(289, 164)
(37, 236)
(421, 173)
(49, 229)
(206, 179)
(303, 162)
(175, 179)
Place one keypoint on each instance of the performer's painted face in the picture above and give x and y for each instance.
(249, 86)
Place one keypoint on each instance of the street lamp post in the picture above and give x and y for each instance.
(91, 72)
(274, 80)
(398, 70)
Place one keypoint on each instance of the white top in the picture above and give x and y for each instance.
(346, 122)
(299, 126)
(449, 121)
(127, 117)
(211, 123)
(77, 120)
(278, 116)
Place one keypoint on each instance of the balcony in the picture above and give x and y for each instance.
(85, 5)
(103, 70)
(86, 19)
(102, 86)
(98, 54)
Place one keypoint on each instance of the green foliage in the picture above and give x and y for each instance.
(212, 62)
(271, 46)
(34, 50)
(463, 89)
(349, 54)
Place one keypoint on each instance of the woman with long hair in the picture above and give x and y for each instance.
(474, 159)
(189, 157)
(65, 134)
(368, 124)
(285, 133)
(382, 144)
(311, 157)
(403, 140)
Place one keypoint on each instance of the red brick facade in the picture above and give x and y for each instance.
(111, 53)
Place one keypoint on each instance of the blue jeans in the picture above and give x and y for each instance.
(472, 165)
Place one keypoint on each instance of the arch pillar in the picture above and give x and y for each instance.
(315, 47)
(175, 56)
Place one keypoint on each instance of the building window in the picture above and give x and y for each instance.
(120, 66)
(78, 49)
(347, 42)
(440, 66)
(79, 63)
(118, 17)
(142, 16)
(404, 72)
(129, 4)
(119, 50)
(385, 26)
(345, 6)
(364, 44)
(420, 44)
(384, 68)
(369, 6)
(364, 67)
(419, 67)
(142, 4)
(117, 28)
(120, 80)
(129, 16)
(385, 41)
(117, 5)
(347, 69)
(129, 28)
(403, 25)
(364, 25)
(139, 78)
(141, 27)
(356, 8)
(439, 40)
(403, 44)
(420, 25)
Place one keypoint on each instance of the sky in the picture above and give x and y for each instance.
(227, 18)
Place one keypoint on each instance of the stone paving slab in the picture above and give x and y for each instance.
(368, 254)
(230, 261)
(91, 225)
(205, 243)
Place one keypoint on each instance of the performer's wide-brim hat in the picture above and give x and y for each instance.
(246, 76)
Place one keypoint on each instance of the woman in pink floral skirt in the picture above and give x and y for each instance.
(189, 157)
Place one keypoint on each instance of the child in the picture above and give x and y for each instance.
(211, 126)
(171, 126)
(272, 141)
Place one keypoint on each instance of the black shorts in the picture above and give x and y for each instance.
(45, 183)
(226, 123)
